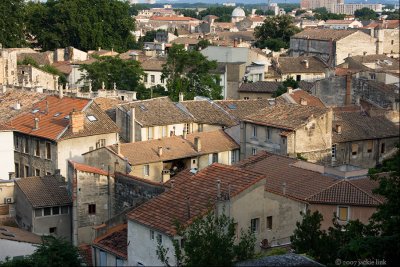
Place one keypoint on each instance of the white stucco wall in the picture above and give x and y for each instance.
(14, 248)
(157, 79)
(6, 154)
(72, 149)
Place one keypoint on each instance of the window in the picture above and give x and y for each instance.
(26, 145)
(214, 157)
(369, 146)
(47, 211)
(269, 133)
(56, 210)
(92, 209)
(26, 171)
(48, 151)
(91, 118)
(16, 142)
(145, 78)
(283, 140)
(334, 151)
(383, 148)
(269, 223)
(159, 238)
(53, 230)
(354, 149)
(200, 127)
(16, 165)
(343, 213)
(151, 235)
(119, 262)
(101, 143)
(103, 258)
(254, 130)
(146, 170)
(233, 156)
(162, 79)
(38, 213)
(255, 225)
(246, 98)
(298, 78)
(64, 210)
(392, 42)
(37, 148)
(37, 172)
(187, 127)
(254, 151)
(152, 78)
(150, 133)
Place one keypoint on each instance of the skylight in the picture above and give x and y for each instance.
(35, 110)
(66, 117)
(232, 106)
(91, 118)
(142, 107)
(57, 114)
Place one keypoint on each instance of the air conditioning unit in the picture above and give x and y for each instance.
(8, 200)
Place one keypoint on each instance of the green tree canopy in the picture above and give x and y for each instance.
(189, 72)
(275, 32)
(12, 23)
(223, 12)
(126, 74)
(210, 241)
(53, 252)
(365, 13)
(282, 88)
(83, 24)
(322, 13)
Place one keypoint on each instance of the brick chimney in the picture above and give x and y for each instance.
(185, 130)
(36, 124)
(76, 121)
(306, 63)
(197, 144)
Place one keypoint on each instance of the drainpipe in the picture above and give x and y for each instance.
(109, 193)
(75, 209)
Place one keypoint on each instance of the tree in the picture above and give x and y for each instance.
(126, 74)
(322, 13)
(365, 13)
(282, 88)
(223, 12)
(278, 28)
(210, 241)
(299, 12)
(203, 43)
(12, 23)
(81, 23)
(62, 79)
(53, 252)
(189, 72)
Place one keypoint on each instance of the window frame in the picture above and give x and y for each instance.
(269, 223)
(48, 150)
(347, 213)
(146, 170)
(255, 222)
(92, 209)
(253, 151)
(37, 148)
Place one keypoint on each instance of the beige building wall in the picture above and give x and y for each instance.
(355, 44)
(304, 76)
(246, 95)
(157, 132)
(155, 171)
(391, 42)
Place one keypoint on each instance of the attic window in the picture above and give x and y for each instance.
(92, 118)
(57, 114)
(35, 110)
(232, 106)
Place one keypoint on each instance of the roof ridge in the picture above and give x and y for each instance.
(362, 190)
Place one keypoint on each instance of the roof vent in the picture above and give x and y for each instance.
(17, 106)
(338, 128)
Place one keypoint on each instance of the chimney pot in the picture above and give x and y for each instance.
(303, 102)
(197, 144)
(36, 124)
(289, 90)
(339, 128)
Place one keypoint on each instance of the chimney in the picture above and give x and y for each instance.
(133, 125)
(365, 53)
(289, 90)
(306, 63)
(166, 175)
(218, 189)
(303, 102)
(3, 88)
(77, 121)
(60, 91)
(339, 128)
(118, 147)
(349, 55)
(348, 89)
(134, 95)
(197, 144)
(36, 124)
(185, 133)
(17, 106)
(159, 151)
(180, 97)
(235, 42)
(284, 188)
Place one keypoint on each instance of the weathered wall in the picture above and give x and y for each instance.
(42, 225)
(6, 154)
(10, 248)
(356, 45)
(23, 211)
(248, 95)
(102, 158)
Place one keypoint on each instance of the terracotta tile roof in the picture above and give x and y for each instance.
(306, 86)
(106, 103)
(204, 111)
(176, 147)
(114, 241)
(387, 24)
(63, 66)
(8, 100)
(19, 235)
(299, 94)
(40, 58)
(323, 34)
(200, 190)
(260, 87)
(380, 63)
(289, 65)
(185, 40)
(346, 192)
(246, 36)
(154, 64)
(242, 108)
(5, 127)
(85, 252)
(360, 126)
(56, 127)
(173, 18)
(44, 191)
(86, 168)
(157, 111)
(337, 21)
(289, 116)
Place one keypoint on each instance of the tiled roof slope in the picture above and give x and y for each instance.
(360, 126)
(44, 191)
(176, 147)
(157, 111)
(298, 94)
(56, 127)
(200, 190)
(242, 108)
(19, 235)
(86, 168)
(208, 112)
(8, 100)
(5, 127)
(114, 241)
(153, 64)
(296, 65)
(323, 34)
(289, 116)
(260, 87)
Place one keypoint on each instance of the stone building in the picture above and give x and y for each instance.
(288, 129)
(43, 206)
(332, 46)
(57, 129)
(31, 76)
